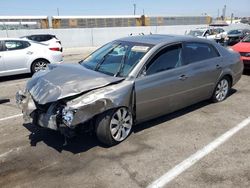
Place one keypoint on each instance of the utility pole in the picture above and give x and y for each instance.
(134, 8)
(232, 17)
(58, 13)
(218, 15)
(224, 12)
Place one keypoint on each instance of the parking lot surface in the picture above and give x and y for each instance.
(31, 157)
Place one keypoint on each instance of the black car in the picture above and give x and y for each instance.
(234, 36)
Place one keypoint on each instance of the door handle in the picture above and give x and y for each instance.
(29, 53)
(183, 77)
(218, 67)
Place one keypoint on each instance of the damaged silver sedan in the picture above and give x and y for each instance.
(129, 81)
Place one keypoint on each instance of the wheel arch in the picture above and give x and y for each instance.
(37, 59)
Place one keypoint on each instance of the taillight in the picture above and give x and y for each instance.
(55, 49)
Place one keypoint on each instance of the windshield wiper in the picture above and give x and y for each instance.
(104, 58)
(122, 63)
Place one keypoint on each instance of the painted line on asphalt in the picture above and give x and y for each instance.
(7, 153)
(187, 163)
(10, 117)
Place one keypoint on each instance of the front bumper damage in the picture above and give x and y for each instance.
(66, 115)
(58, 116)
(36, 114)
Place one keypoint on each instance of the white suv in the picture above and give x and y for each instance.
(51, 40)
(19, 56)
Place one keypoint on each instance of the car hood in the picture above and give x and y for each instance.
(63, 81)
(242, 47)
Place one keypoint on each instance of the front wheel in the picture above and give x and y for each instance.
(114, 126)
(221, 90)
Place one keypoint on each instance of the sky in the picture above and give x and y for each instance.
(240, 8)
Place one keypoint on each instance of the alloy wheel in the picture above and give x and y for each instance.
(222, 90)
(40, 65)
(121, 124)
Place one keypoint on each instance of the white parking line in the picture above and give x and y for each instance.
(6, 154)
(184, 165)
(11, 117)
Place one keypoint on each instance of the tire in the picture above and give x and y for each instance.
(38, 65)
(114, 126)
(222, 89)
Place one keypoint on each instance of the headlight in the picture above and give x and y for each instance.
(67, 117)
(20, 97)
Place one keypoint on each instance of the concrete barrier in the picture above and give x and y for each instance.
(89, 37)
(86, 37)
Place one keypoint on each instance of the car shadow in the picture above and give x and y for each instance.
(14, 77)
(83, 142)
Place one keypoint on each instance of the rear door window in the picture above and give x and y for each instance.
(194, 52)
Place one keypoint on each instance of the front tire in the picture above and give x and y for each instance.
(221, 90)
(114, 126)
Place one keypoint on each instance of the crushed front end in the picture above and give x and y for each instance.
(54, 116)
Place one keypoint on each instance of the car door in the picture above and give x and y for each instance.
(204, 64)
(162, 85)
(16, 56)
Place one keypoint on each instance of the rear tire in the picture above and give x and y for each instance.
(38, 65)
(222, 89)
(114, 126)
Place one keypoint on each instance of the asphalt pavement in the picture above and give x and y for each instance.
(31, 157)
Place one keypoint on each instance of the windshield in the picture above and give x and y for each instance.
(196, 33)
(246, 39)
(116, 58)
(234, 32)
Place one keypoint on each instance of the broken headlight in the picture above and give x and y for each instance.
(67, 117)
(20, 96)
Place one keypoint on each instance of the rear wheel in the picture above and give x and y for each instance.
(114, 126)
(38, 65)
(222, 89)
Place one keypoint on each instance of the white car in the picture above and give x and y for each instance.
(217, 34)
(19, 56)
(51, 40)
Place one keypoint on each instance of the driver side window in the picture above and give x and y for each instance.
(166, 59)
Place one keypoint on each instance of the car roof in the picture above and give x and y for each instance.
(40, 35)
(155, 39)
(13, 39)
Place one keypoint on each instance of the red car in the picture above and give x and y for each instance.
(243, 48)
